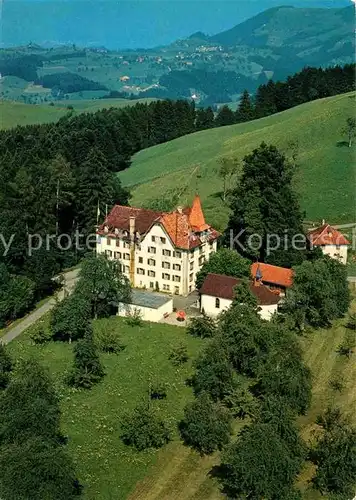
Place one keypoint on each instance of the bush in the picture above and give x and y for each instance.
(144, 429)
(335, 457)
(40, 334)
(179, 355)
(158, 390)
(134, 318)
(87, 369)
(346, 348)
(202, 327)
(109, 341)
(206, 425)
(5, 367)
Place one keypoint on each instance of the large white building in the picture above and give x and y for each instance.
(331, 242)
(158, 251)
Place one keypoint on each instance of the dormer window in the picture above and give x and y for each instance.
(106, 229)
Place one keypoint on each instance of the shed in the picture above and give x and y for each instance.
(151, 306)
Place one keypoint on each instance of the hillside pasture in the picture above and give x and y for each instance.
(325, 172)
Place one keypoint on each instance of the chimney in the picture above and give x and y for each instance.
(132, 228)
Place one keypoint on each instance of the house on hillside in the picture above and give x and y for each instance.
(274, 277)
(331, 242)
(158, 250)
(217, 294)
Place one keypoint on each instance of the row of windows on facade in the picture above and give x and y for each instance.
(177, 254)
(168, 253)
(165, 287)
(152, 274)
(150, 262)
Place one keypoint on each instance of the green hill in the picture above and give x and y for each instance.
(16, 113)
(325, 176)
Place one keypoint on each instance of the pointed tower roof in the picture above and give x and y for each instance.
(258, 273)
(196, 216)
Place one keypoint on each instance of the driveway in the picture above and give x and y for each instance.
(70, 279)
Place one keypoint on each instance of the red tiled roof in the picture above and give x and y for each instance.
(177, 224)
(273, 274)
(327, 235)
(221, 286)
(119, 218)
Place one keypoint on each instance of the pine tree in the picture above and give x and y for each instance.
(95, 186)
(225, 116)
(245, 112)
(205, 118)
(265, 211)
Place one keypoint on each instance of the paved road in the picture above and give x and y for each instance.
(70, 280)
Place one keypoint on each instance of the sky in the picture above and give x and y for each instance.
(119, 24)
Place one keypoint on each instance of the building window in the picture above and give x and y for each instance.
(153, 238)
(191, 277)
(177, 267)
(151, 262)
(152, 285)
(176, 290)
(126, 256)
(191, 266)
(127, 269)
(151, 274)
(217, 303)
(166, 265)
(337, 247)
(108, 241)
(177, 254)
(201, 250)
(163, 240)
(140, 260)
(201, 260)
(176, 278)
(126, 244)
(166, 288)
(151, 249)
(108, 253)
(117, 255)
(139, 270)
(166, 276)
(166, 253)
(117, 243)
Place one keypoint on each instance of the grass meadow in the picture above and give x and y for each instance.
(110, 470)
(325, 173)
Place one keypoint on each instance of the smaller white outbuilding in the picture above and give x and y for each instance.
(151, 306)
(217, 294)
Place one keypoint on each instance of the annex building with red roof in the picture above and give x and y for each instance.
(278, 279)
(158, 250)
(218, 291)
(331, 241)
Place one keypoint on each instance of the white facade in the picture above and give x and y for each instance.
(338, 252)
(146, 313)
(213, 306)
(155, 263)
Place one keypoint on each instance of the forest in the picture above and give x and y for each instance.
(66, 83)
(55, 177)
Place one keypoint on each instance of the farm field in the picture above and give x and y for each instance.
(107, 468)
(15, 113)
(111, 470)
(324, 176)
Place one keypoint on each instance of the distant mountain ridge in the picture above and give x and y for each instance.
(212, 70)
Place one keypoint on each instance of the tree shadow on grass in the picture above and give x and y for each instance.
(342, 144)
(219, 472)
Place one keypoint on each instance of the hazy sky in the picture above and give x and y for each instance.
(128, 23)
